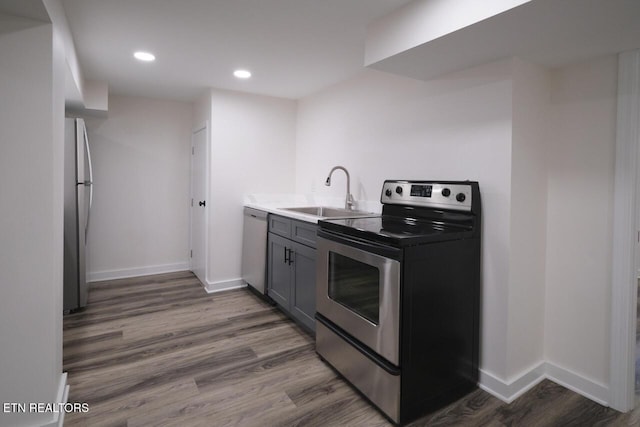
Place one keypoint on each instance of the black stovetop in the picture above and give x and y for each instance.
(400, 230)
(416, 212)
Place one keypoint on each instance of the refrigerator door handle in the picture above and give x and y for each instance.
(88, 151)
(90, 182)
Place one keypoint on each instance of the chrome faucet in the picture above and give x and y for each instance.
(348, 202)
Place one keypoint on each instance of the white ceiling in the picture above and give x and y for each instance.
(292, 47)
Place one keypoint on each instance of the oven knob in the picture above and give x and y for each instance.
(388, 192)
(446, 192)
(460, 197)
(399, 189)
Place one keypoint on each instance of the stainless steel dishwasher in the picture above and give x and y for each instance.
(254, 249)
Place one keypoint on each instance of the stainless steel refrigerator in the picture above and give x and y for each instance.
(78, 198)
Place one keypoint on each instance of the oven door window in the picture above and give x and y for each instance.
(355, 285)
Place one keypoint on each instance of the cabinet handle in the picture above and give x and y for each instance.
(290, 256)
(286, 252)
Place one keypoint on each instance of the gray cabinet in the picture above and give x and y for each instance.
(279, 278)
(303, 291)
(291, 278)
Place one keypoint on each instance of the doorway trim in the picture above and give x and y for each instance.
(625, 226)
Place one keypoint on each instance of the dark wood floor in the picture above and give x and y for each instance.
(160, 351)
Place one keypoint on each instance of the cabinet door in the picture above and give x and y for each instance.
(303, 297)
(279, 279)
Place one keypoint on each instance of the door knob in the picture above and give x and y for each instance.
(202, 203)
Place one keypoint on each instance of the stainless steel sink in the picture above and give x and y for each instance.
(328, 212)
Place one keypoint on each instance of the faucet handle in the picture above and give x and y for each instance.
(349, 202)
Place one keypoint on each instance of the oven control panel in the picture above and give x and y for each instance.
(433, 194)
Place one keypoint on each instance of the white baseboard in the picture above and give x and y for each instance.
(588, 388)
(65, 399)
(224, 285)
(97, 276)
(62, 396)
(508, 391)
(511, 390)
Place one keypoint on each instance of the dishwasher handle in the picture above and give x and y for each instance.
(255, 213)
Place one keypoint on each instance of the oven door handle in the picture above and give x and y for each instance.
(364, 245)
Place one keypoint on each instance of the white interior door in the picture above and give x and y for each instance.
(199, 203)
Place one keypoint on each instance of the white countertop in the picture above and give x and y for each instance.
(274, 203)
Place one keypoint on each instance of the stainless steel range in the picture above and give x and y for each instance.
(398, 297)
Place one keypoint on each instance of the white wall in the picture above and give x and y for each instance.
(457, 127)
(252, 151)
(74, 75)
(579, 217)
(31, 218)
(140, 217)
(527, 255)
(202, 110)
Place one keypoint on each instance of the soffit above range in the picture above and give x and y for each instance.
(413, 42)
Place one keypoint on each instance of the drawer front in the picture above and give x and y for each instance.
(381, 387)
(280, 225)
(304, 232)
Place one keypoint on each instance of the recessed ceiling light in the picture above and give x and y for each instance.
(144, 56)
(242, 74)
